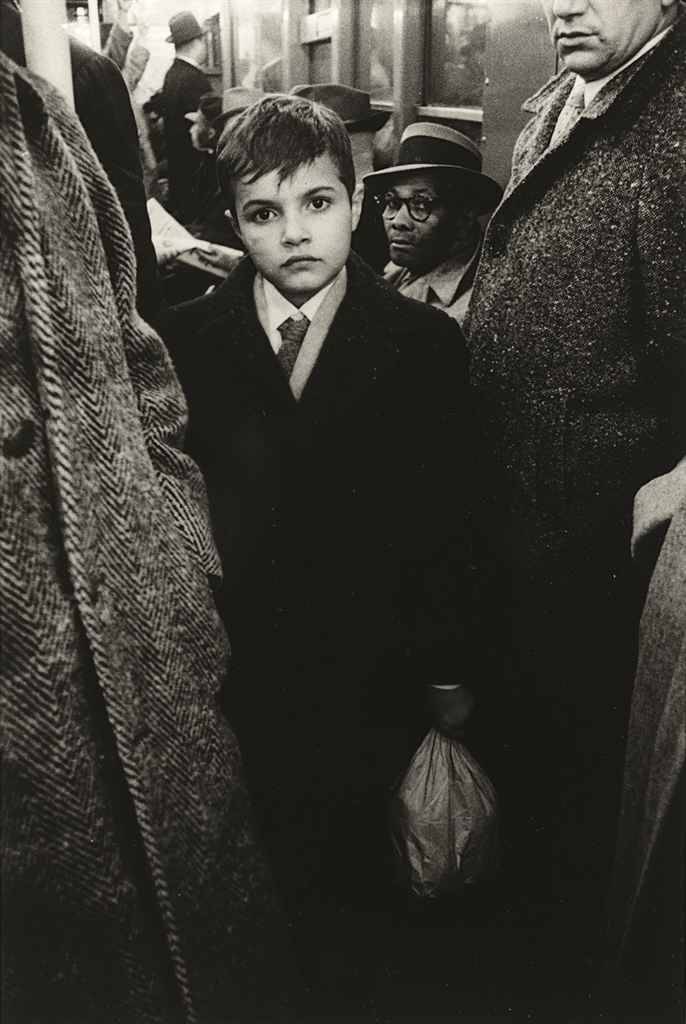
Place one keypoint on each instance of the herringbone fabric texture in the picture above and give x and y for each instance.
(132, 890)
(292, 332)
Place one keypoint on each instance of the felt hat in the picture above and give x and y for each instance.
(353, 106)
(210, 106)
(234, 101)
(429, 147)
(183, 27)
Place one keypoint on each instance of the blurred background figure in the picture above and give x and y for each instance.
(126, 46)
(132, 888)
(104, 108)
(184, 86)
(207, 123)
(430, 202)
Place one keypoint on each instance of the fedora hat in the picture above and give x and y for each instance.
(353, 106)
(210, 106)
(234, 101)
(183, 27)
(425, 146)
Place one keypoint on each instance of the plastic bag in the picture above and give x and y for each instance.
(444, 820)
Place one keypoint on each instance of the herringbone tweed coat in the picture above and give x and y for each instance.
(131, 887)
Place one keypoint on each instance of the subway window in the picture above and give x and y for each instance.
(256, 44)
(381, 51)
(457, 39)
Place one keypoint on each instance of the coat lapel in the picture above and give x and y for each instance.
(533, 149)
(357, 352)
(248, 347)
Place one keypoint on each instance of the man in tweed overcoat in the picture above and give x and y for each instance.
(578, 363)
(131, 887)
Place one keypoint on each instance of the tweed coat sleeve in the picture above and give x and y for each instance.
(164, 419)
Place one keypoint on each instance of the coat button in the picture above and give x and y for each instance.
(20, 441)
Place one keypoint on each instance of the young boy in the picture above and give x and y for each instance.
(327, 413)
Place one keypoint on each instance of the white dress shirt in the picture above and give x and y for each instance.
(278, 309)
(188, 60)
(591, 89)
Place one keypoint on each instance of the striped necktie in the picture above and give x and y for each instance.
(570, 113)
(292, 332)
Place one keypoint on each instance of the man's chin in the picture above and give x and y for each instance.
(403, 255)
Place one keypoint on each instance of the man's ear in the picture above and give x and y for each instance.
(356, 203)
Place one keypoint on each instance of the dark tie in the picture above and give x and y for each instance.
(292, 332)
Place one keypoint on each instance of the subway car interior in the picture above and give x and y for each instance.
(573, 446)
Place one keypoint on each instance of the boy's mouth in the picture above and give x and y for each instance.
(294, 260)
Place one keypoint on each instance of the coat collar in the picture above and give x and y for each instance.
(560, 85)
(534, 150)
(447, 281)
(359, 349)
(356, 353)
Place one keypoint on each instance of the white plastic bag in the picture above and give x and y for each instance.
(444, 819)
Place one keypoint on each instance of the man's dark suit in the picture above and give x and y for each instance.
(341, 523)
(184, 84)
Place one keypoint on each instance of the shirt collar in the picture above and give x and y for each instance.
(445, 279)
(279, 308)
(591, 89)
(188, 60)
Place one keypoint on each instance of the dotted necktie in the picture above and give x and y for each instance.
(292, 332)
(570, 113)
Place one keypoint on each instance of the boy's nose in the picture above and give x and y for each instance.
(294, 230)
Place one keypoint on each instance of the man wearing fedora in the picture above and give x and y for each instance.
(354, 108)
(184, 85)
(430, 203)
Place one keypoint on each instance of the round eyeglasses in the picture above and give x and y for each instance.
(419, 208)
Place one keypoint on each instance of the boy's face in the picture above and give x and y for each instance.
(297, 232)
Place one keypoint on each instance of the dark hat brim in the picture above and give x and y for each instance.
(188, 39)
(372, 122)
(485, 189)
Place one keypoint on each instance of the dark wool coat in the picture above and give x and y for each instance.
(131, 888)
(183, 86)
(340, 520)
(577, 335)
(647, 905)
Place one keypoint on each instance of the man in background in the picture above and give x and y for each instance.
(184, 85)
(104, 108)
(430, 202)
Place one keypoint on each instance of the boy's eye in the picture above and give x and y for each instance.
(263, 215)
(320, 202)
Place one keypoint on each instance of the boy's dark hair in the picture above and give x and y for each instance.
(281, 133)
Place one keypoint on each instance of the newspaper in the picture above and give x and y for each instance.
(172, 241)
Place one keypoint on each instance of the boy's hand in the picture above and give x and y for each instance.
(450, 709)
